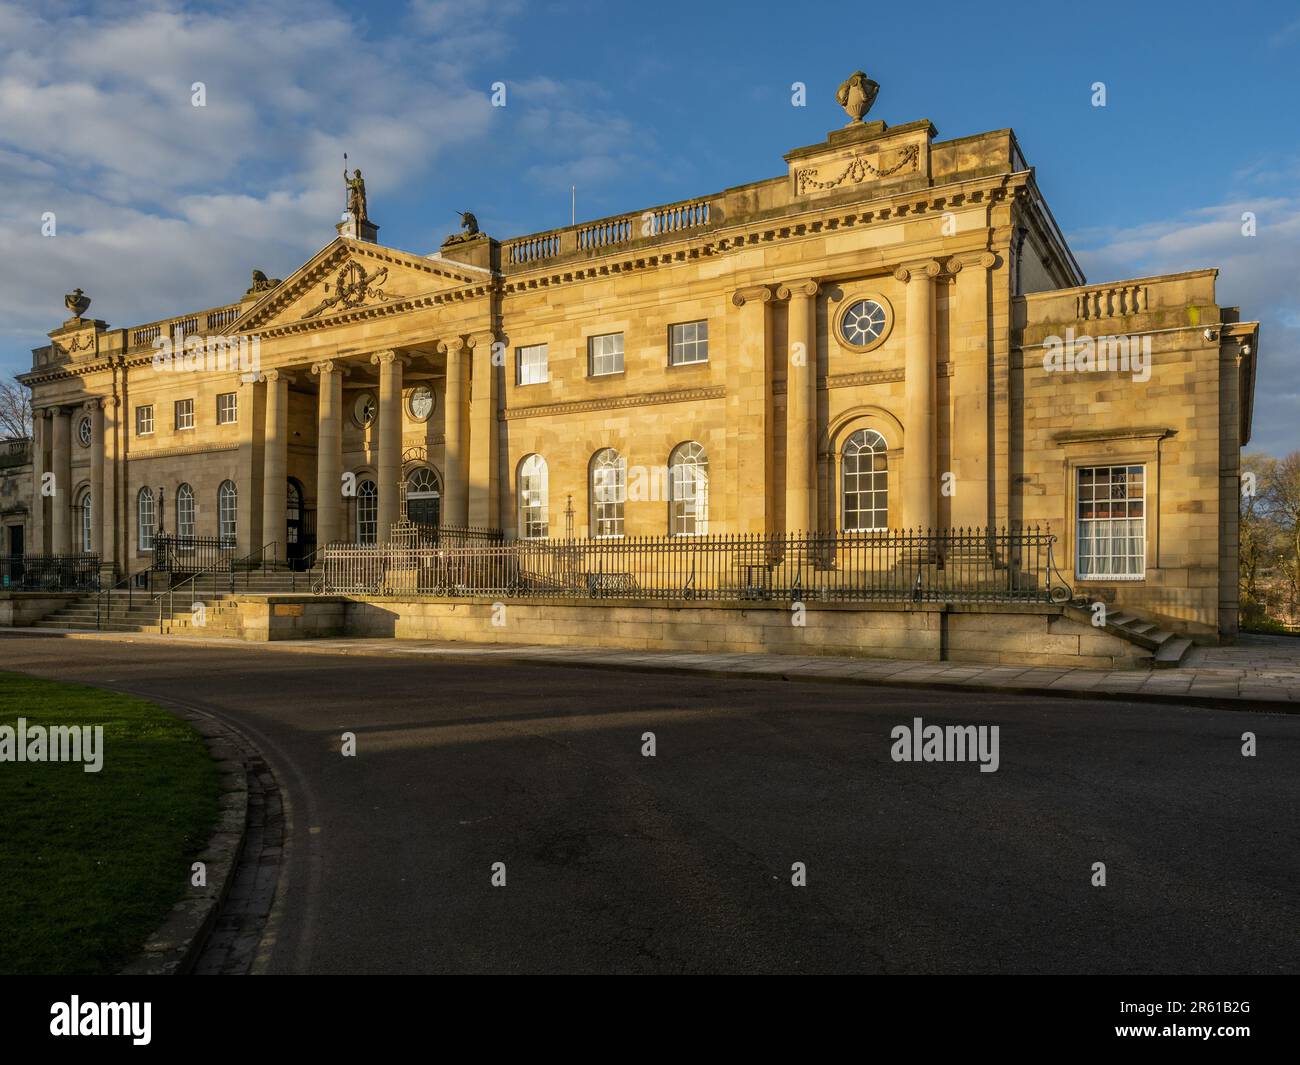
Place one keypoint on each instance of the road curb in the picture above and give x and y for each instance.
(175, 945)
(484, 652)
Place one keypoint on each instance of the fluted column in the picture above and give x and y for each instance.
(390, 439)
(95, 408)
(920, 482)
(61, 502)
(40, 435)
(329, 453)
(275, 456)
(482, 490)
(455, 411)
(801, 407)
(106, 501)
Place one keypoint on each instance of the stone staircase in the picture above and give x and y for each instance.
(121, 610)
(1168, 650)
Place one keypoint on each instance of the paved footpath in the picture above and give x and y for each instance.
(1257, 673)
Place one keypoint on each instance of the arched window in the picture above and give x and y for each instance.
(87, 519)
(146, 518)
(423, 497)
(227, 513)
(688, 490)
(866, 482)
(185, 515)
(533, 498)
(608, 492)
(367, 512)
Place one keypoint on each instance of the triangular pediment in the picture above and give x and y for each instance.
(348, 275)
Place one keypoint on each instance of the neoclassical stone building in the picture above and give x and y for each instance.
(891, 332)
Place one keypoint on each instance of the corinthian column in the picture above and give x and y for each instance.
(329, 453)
(920, 483)
(390, 439)
(455, 499)
(801, 407)
(61, 502)
(275, 454)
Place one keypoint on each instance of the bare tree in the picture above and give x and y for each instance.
(15, 411)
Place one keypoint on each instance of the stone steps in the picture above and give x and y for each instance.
(1167, 649)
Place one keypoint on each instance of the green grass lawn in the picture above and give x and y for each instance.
(91, 863)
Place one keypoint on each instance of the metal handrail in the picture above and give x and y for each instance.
(170, 593)
(104, 600)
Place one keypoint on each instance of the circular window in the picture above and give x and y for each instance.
(363, 413)
(864, 323)
(420, 403)
(83, 432)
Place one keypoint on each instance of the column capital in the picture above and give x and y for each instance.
(327, 366)
(918, 270)
(110, 402)
(807, 287)
(93, 404)
(388, 357)
(752, 294)
(279, 375)
(986, 260)
(473, 340)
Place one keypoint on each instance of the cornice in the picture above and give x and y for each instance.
(643, 399)
(732, 238)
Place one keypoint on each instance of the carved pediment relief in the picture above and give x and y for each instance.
(347, 276)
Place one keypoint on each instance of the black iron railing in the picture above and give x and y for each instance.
(190, 554)
(947, 565)
(49, 573)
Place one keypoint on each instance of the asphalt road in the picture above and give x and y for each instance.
(616, 862)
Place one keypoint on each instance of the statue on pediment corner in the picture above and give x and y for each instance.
(856, 95)
(469, 225)
(261, 283)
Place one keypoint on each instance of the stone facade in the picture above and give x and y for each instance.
(967, 283)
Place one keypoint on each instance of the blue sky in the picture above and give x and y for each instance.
(162, 207)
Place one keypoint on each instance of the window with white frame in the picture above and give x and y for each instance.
(531, 365)
(688, 490)
(184, 414)
(367, 512)
(144, 420)
(533, 501)
(228, 408)
(608, 492)
(87, 523)
(146, 516)
(865, 476)
(1111, 530)
(227, 513)
(185, 517)
(688, 342)
(605, 354)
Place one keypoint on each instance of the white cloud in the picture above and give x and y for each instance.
(1259, 274)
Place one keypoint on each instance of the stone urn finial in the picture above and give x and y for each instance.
(77, 302)
(856, 95)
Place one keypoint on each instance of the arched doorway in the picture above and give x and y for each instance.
(423, 497)
(299, 537)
